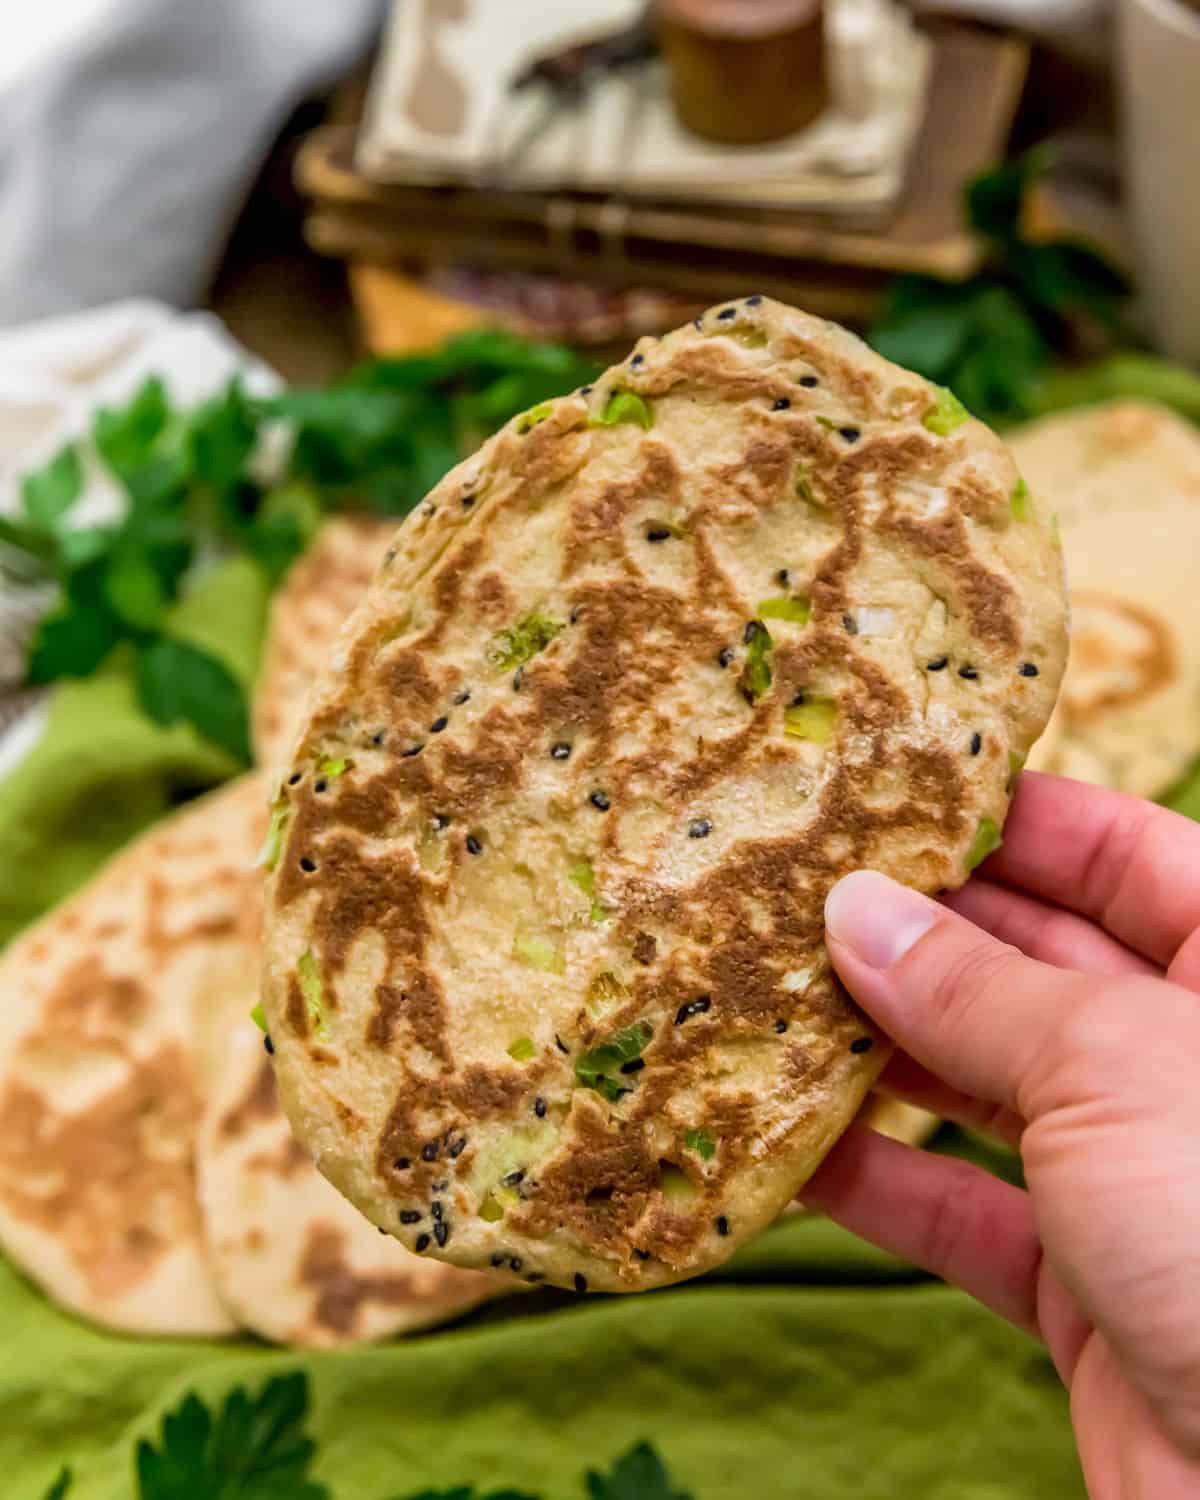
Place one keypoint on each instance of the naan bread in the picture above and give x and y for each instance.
(545, 962)
(99, 1095)
(318, 593)
(292, 1260)
(1125, 480)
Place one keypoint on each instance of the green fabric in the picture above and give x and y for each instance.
(102, 771)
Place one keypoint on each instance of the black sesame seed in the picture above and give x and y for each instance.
(473, 845)
(378, 737)
(700, 829)
(422, 1243)
(440, 821)
(692, 1008)
(402, 1163)
(658, 534)
(307, 865)
(535, 1276)
(497, 1261)
(294, 778)
(642, 1254)
(725, 657)
(516, 1262)
(518, 679)
(456, 1148)
(851, 434)
(441, 1232)
(722, 1224)
(440, 1187)
(439, 724)
(409, 1216)
(468, 501)
(976, 743)
(560, 1044)
(798, 700)
(751, 630)
(754, 300)
(461, 697)
(598, 799)
(1027, 669)
(638, 359)
(539, 1108)
(269, 1045)
(435, 1210)
(429, 1151)
(512, 1178)
(389, 556)
(381, 1229)
(970, 673)
(586, 390)
(697, 322)
(560, 751)
(580, 1282)
(780, 1027)
(781, 405)
(783, 578)
(634, 1065)
(726, 313)
(413, 750)
(320, 786)
(862, 1044)
(808, 381)
(849, 624)
(938, 664)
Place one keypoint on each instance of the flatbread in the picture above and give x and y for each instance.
(1125, 480)
(545, 962)
(318, 593)
(99, 1095)
(293, 1261)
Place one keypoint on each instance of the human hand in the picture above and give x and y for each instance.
(1086, 1055)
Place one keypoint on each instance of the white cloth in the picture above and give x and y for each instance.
(53, 376)
(126, 154)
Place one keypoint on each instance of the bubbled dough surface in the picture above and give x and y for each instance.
(912, 539)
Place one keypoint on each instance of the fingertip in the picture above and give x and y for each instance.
(876, 919)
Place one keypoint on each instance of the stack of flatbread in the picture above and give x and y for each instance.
(148, 1178)
(1125, 478)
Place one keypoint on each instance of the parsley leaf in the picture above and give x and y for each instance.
(593, 1067)
(48, 494)
(71, 642)
(638, 1475)
(255, 1449)
(468, 1492)
(61, 1485)
(178, 681)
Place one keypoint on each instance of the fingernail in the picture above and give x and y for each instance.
(875, 918)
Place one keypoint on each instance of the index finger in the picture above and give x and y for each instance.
(1129, 865)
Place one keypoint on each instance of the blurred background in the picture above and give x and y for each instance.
(268, 268)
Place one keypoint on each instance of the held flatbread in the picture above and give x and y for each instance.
(545, 962)
(99, 1092)
(293, 1261)
(321, 589)
(1125, 481)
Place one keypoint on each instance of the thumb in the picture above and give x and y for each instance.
(972, 1010)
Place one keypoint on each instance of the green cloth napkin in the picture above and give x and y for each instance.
(812, 1367)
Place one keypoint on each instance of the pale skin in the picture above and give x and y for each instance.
(1053, 1002)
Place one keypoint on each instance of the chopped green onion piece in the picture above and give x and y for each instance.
(314, 993)
(492, 1209)
(534, 415)
(522, 1050)
(538, 953)
(811, 720)
(677, 1186)
(756, 674)
(259, 1017)
(605, 991)
(986, 841)
(583, 875)
(1018, 502)
(624, 406)
(333, 768)
(827, 422)
(268, 855)
(795, 609)
(1016, 762)
(701, 1143)
(513, 648)
(946, 414)
(803, 485)
(593, 1067)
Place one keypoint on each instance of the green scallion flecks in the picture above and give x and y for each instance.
(624, 406)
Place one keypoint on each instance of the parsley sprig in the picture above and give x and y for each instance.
(240, 473)
(990, 338)
(258, 1448)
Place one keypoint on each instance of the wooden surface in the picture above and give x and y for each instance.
(976, 84)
